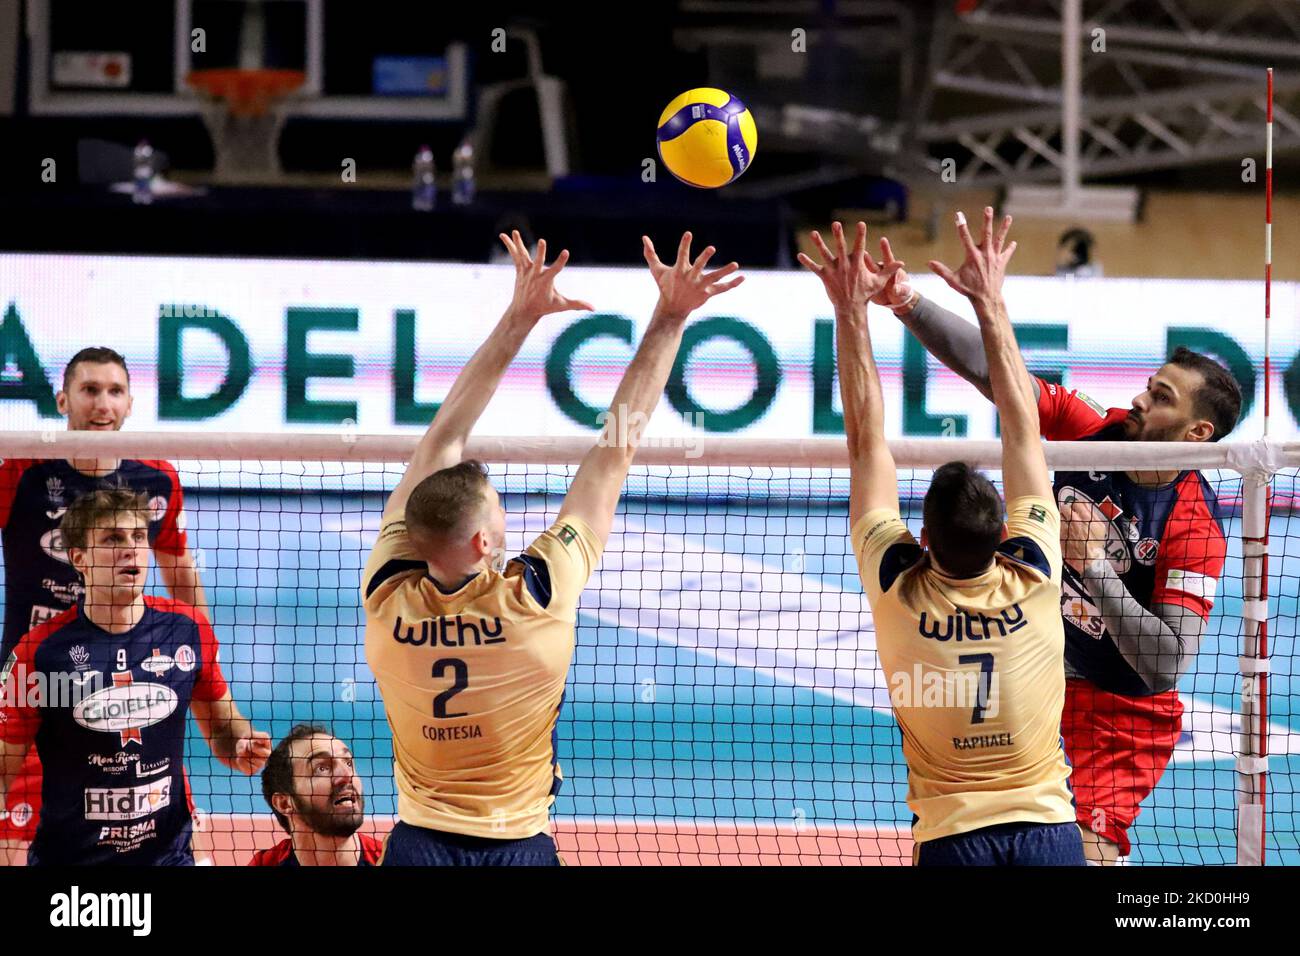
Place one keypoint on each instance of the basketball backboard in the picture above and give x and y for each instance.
(133, 58)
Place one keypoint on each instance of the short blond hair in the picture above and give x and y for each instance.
(92, 510)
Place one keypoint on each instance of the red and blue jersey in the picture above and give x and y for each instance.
(107, 713)
(1166, 544)
(282, 853)
(34, 494)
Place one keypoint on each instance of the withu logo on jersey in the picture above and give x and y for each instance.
(438, 630)
(966, 627)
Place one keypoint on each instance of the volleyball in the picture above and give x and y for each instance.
(707, 137)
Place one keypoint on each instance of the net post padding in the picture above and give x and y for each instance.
(1248, 458)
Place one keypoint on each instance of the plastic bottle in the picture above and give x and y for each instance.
(463, 186)
(142, 175)
(424, 191)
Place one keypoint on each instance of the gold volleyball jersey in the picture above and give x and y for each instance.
(473, 680)
(975, 671)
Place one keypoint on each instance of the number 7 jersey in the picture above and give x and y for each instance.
(473, 679)
(975, 672)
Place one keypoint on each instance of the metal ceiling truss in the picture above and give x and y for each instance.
(1178, 83)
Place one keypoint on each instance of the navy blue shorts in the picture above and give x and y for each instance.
(1008, 844)
(415, 846)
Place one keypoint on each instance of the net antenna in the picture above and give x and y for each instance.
(1252, 759)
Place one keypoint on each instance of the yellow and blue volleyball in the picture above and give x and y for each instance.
(707, 137)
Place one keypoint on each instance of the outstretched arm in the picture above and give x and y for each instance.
(535, 296)
(850, 279)
(683, 288)
(947, 336)
(1024, 466)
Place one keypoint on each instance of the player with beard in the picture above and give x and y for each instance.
(40, 582)
(1143, 554)
(311, 783)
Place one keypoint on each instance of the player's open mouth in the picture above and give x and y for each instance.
(131, 573)
(346, 802)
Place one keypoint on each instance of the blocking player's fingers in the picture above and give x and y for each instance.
(860, 238)
(510, 247)
(841, 249)
(886, 250)
(648, 251)
(946, 274)
(559, 262)
(727, 270)
(963, 233)
(1008, 252)
(809, 264)
(720, 287)
(1002, 232)
(684, 250)
(541, 254)
(987, 241)
(576, 305)
(820, 243)
(703, 260)
(519, 243)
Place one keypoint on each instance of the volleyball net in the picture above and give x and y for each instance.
(725, 703)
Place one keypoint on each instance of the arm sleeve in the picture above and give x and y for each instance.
(951, 339)
(171, 537)
(569, 552)
(884, 549)
(1159, 644)
(1068, 414)
(392, 560)
(1034, 534)
(211, 683)
(19, 719)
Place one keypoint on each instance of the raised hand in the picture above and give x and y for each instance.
(898, 290)
(685, 286)
(849, 277)
(251, 752)
(535, 292)
(980, 275)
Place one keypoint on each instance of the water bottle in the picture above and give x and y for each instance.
(142, 163)
(462, 177)
(424, 191)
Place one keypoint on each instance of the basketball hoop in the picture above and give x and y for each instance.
(243, 111)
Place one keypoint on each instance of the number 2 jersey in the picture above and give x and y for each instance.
(473, 679)
(1166, 544)
(974, 672)
(107, 712)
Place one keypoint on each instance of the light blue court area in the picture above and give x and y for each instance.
(725, 669)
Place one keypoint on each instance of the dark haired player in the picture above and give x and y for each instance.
(1144, 551)
(310, 782)
(470, 659)
(969, 631)
(112, 739)
(39, 580)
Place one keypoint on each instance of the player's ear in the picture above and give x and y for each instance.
(61, 402)
(282, 803)
(1005, 533)
(1200, 430)
(925, 537)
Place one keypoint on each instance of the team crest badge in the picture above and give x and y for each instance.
(54, 490)
(1146, 550)
(80, 657)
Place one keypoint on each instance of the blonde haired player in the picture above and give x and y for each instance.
(471, 659)
(987, 776)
